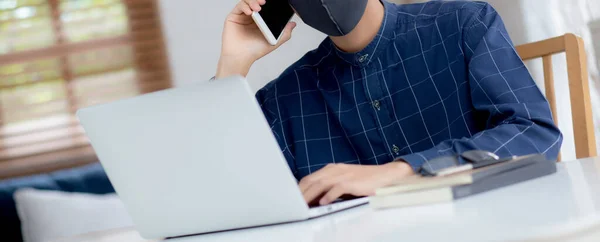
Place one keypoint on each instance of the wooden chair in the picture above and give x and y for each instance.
(581, 106)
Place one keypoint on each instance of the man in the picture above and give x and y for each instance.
(390, 90)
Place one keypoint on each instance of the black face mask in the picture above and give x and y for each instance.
(332, 17)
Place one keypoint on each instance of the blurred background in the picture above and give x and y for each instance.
(60, 55)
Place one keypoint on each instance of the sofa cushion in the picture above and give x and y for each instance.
(51, 215)
(87, 179)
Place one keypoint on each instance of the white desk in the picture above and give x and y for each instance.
(558, 207)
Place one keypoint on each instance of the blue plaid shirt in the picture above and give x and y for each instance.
(439, 79)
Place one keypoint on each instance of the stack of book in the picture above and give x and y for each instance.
(420, 190)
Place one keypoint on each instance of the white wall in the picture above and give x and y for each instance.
(193, 33)
(534, 20)
(595, 31)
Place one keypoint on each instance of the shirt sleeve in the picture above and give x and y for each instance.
(518, 116)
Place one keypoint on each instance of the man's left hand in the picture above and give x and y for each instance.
(336, 180)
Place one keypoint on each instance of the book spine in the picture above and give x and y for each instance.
(507, 167)
(522, 174)
(411, 199)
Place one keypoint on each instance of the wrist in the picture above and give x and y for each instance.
(400, 168)
(230, 66)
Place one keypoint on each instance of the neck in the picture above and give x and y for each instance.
(365, 31)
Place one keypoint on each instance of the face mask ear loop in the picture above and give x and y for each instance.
(331, 17)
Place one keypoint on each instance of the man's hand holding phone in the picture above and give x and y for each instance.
(243, 42)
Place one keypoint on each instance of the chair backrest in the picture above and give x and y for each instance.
(581, 106)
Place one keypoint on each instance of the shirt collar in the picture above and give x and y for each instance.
(384, 35)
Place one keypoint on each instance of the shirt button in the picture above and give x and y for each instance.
(377, 105)
(363, 58)
(396, 149)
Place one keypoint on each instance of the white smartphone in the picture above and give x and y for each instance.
(272, 19)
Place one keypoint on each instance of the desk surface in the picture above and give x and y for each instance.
(564, 204)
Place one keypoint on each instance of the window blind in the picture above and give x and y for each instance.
(57, 56)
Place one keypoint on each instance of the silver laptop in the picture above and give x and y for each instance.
(196, 159)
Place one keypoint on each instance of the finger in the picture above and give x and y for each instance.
(242, 8)
(247, 10)
(327, 171)
(316, 191)
(254, 5)
(238, 8)
(336, 192)
(287, 33)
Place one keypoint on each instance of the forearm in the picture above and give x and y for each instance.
(513, 136)
(231, 66)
